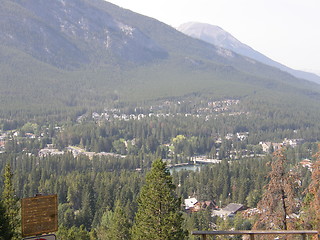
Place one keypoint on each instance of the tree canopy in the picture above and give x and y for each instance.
(10, 205)
(158, 215)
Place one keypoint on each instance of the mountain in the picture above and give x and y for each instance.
(69, 34)
(67, 56)
(219, 37)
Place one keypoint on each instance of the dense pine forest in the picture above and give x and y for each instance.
(99, 162)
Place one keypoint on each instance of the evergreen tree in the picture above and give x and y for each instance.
(119, 225)
(10, 202)
(5, 230)
(73, 233)
(87, 209)
(158, 215)
(105, 222)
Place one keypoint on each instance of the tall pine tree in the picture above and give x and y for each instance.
(158, 215)
(10, 203)
(119, 225)
(5, 230)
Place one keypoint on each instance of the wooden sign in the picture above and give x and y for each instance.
(39, 215)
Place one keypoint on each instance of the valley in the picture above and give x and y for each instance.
(99, 104)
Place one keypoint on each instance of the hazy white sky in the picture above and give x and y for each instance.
(287, 31)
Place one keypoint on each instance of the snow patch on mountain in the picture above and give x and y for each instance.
(224, 52)
(127, 30)
(211, 34)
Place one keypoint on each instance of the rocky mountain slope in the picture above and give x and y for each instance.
(219, 37)
(78, 54)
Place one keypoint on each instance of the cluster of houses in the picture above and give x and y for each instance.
(228, 102)
(239, 135)
(193, 205)
(9, 135)
(49, 151)
(203, 108)
(273, 146)
(218, 106)
(158, 111)
(76, 151)
(120, 116)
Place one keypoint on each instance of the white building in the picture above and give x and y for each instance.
(190, 202)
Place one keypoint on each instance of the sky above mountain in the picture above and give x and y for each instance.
(285, 30)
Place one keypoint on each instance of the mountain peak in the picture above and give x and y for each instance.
(217, 36)
(210, 33)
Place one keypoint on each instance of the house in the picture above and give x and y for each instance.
(265, 146)
(229, 211)
(193, 205)
(75, 150)
(190, 202)
(293, 142)
(49, 152)
(242, 136)
(203, 205)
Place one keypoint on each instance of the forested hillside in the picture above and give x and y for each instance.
(62, 58)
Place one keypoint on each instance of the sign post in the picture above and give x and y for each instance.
(39, 215)
(42, 237)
